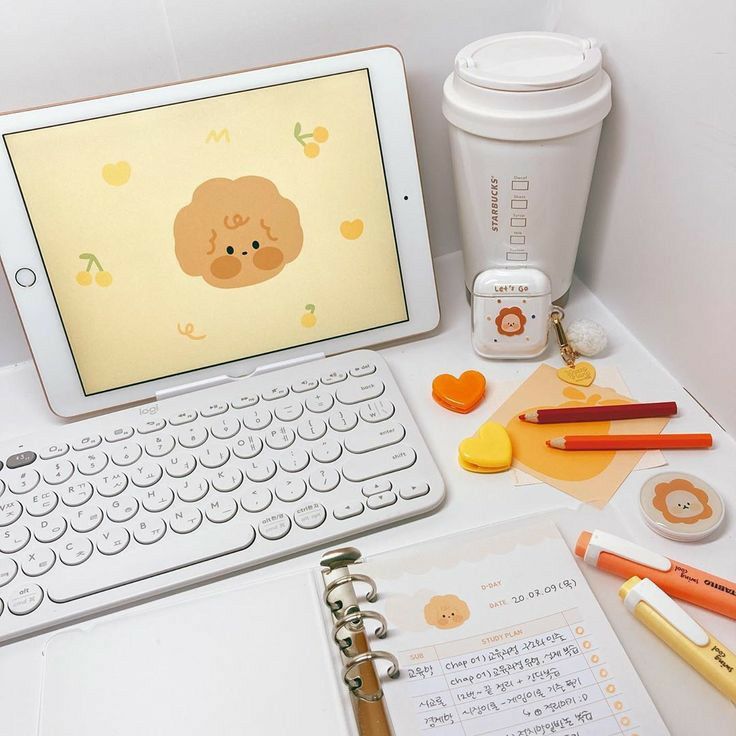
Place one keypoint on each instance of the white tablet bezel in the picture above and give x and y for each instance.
(37, 307)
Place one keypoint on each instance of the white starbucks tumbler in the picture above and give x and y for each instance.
(525, 113)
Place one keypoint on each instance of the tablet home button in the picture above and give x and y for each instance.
(25, 277)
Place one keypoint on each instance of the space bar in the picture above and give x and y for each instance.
(138, 562)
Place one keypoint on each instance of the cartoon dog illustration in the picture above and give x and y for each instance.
(446, 611)
(237, 232)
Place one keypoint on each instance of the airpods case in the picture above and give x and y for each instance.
(510, 312)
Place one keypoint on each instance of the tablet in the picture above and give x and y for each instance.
(167, 238)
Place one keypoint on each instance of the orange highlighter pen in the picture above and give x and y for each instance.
(626, 559)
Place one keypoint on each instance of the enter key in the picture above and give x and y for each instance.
(374, 437)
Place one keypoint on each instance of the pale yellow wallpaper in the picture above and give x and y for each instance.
(199, 233)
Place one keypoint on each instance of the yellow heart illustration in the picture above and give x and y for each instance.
(581, 374)
(488, 451)
(116, 174)
(351, 229)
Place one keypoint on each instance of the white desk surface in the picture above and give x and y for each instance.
(685, 702)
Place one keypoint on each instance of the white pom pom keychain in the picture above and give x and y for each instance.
(584, 337)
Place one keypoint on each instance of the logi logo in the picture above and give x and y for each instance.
(494, 204)
(153, 409)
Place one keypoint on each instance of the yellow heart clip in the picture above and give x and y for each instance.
(487, 451)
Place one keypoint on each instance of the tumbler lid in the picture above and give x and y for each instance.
(528, 61)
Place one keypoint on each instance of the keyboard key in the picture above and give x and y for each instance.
(50, 528)
(193, 436)
(221, 509)
(381, 500)
(356, 391)
(245, 401)
(23, 481)
(326, 451)
(53, 450)
(151, 425)
(57, 472)
(288, 411)
(24, 599)
(35, 561)
(122, 509)
(277, 392)
(256, 498)
(376, 486)
(413, 490)
(41, 503)
(14, 539)
(319, 402)
(183, 417)
(306, 384)
(275, 526)
(8, 570)
(310, 516)
(334, 377)
(225, 428)
(10, 511)
(294, 460)
(112, 539)
(126, 454)
(213, 409)
(364, 369)
(77, 494)
(119, 434)
(379, 462)
(374, 437)
(260, 470)
(279, 437)
(92, 463)
(190, 489)
(86, 519)
(179, 465)
(20, 459)
(343, 420)
(345, 511)
(377, 411)
(214, 456)
(312, 429)
(256, 418)
(227, 480)
(185, 519)
(147, 474)
(247, 447)
(290, 489)
(112, 485)
(324, 479)
(158, 445)
(87, 442)
(75, 550)
(149, 529)
(156, 499)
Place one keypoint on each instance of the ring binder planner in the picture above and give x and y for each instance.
(359, 672)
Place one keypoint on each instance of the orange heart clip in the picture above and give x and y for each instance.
(459, 394)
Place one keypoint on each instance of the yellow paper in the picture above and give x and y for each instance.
(590, 476)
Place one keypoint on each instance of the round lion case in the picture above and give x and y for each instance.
(680, 506)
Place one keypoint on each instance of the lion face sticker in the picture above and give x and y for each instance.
(446, 611)
(510, 321)
(237, 232)
(681, 502)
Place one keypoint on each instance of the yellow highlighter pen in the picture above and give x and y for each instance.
(663, 617)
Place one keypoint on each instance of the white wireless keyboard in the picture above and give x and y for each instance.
(118, 508)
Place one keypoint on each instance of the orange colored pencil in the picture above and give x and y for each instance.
(631, 442)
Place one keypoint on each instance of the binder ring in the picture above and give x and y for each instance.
(356, 683)
(371, 596)
(354, 619)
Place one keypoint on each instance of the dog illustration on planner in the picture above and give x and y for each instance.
(446, 611)
(237, 232)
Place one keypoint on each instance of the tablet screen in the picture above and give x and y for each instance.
(203, 232)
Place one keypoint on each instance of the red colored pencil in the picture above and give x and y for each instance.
(600, 413)
(631, 442)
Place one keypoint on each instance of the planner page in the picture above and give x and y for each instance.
(497, 633)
